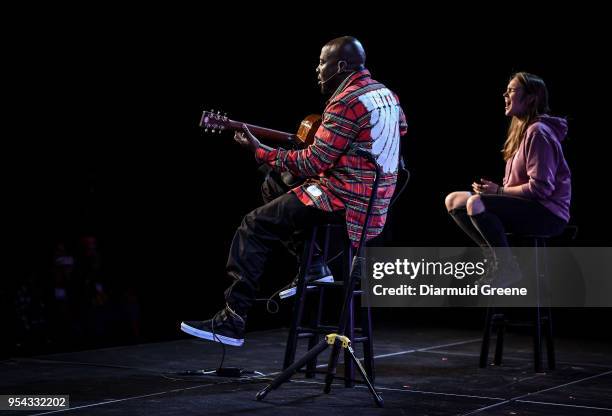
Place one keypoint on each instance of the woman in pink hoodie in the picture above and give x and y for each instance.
(534, 197)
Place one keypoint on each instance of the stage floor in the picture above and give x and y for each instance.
(419, 372)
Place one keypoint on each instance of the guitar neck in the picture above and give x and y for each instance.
(264, 133)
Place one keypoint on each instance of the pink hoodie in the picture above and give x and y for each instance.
(539, 166)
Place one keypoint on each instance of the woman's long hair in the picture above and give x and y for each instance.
(536, 97)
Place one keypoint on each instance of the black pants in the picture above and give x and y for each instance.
(275, 184)
(261, 229)
(517, 215)
(523, 216)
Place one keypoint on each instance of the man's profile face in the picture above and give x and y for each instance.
(327, 70)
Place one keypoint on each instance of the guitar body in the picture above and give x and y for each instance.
(308, 128)
(304, 137)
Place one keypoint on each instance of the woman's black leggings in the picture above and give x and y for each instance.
(507, 214)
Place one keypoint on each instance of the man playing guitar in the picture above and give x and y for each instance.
(335, 184)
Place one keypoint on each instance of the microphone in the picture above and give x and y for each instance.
(330, 78)
(338, 71)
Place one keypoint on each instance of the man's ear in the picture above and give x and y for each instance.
(342, 65)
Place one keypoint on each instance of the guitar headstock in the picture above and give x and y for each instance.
(216, 122)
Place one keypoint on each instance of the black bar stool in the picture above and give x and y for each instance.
(313, 329)
(541, 320)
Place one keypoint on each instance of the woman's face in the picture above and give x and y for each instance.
(514, 98)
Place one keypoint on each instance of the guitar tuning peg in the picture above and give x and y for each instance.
(213, 131)
(206, 130)
(219, 131)
(219, 112)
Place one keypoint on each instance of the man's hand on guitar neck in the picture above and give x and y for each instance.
(246, 139)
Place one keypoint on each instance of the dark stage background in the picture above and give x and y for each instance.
(108, 146)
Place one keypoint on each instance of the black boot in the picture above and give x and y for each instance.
(461, 217)
(463, 220)
(506, 271)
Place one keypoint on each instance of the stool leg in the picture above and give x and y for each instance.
(326, 244)
(548, 330)
(311, 367)
(537, 326)
(499, 344)
(537, 342)
(368, 345)
(300, 298)
(349, 366)
(550, 344)
(486, 339)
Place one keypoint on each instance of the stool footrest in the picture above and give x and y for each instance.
(305, 332)
(519, 324)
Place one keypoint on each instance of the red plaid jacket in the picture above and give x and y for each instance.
(362, 115)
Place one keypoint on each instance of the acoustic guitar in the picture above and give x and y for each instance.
(216, 123)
